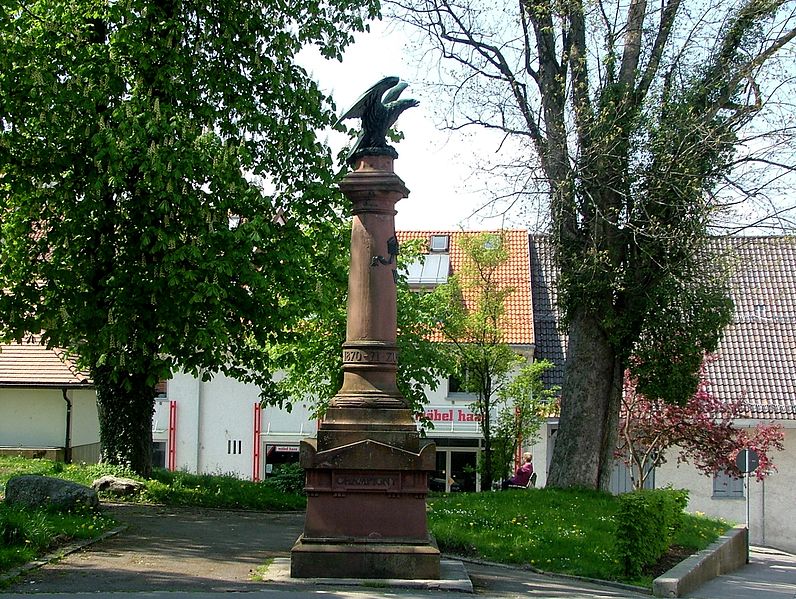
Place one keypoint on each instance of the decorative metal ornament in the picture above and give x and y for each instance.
(378, 109)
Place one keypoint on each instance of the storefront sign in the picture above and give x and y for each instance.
(452, 415)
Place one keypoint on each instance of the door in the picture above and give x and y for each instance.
(463, 469)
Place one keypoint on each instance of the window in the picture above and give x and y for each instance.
(727, 487)
(439, 243)
(158, 454)
(429, 270)
(234, 447)
(461, 382)
(492, 242)
(162, 390)
(455, 385)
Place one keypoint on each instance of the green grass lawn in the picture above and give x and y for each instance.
(28, 534)
(570, 532)
(173, 488)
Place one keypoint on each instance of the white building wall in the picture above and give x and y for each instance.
(185, 390)
(85, 420)
(32, 418)
(226, 429)
(281, 426)
(37, 417)
(542, 450)
(215, 424)
(771, 502)
(439, 395)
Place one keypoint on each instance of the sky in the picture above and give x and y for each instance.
(440, 168)
(435, 165)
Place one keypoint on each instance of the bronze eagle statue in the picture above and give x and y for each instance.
(378, 108)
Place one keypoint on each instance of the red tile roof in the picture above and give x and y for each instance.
(31, 364)
(515, 273)
(756, 358)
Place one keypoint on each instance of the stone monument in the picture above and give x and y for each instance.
(367, 470)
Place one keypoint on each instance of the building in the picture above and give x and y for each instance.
(218, 426)
(48, 408)
(756, 360)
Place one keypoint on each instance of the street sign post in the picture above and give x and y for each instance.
(747, 461)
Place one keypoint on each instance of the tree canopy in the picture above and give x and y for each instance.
(642, 126)
(508, 395)
(703, 432)
(163, 197)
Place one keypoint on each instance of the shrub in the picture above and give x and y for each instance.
(646, 522)
(287, 478)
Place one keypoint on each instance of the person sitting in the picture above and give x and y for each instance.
(523, 474)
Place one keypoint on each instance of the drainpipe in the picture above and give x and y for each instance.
(199, 403)
(68, 439)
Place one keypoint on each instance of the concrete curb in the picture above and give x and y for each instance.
(453, 577)
(553, 575)
(728, 553)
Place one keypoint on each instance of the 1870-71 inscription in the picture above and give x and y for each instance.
(360, 356)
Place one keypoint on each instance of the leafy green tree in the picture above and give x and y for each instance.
(523, 406)
(311, 361)
(641, 124)
(149, 150)
(472, 308)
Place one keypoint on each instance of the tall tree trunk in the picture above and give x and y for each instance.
(487, 472)
(125, 419)
(590, 395)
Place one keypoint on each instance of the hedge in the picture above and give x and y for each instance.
(645, 524)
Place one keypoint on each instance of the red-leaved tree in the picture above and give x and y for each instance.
(703, 430)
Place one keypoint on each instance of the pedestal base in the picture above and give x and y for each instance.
(364, 560)
(366, 507)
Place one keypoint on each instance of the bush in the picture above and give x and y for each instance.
(287, 478)
(219, 491)
(646, 522)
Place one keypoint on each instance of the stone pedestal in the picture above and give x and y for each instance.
(367, 471)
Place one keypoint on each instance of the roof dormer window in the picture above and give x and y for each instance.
(440, 243)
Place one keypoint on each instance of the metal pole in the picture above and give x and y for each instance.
(747, 491)
(763, 512)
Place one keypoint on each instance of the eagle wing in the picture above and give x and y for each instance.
(366, 100)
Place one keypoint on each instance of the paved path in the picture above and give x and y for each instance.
(770, 574)
(208, 552)
(173, 553)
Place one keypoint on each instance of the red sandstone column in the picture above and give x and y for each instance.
(367, 471)
(370, 353)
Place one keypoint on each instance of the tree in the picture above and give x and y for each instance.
(703, 431)
(312, 360)
(641, 125)
(471, 306)
(148, 151)
(522, 408)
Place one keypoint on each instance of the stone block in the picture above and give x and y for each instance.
(34, 491)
